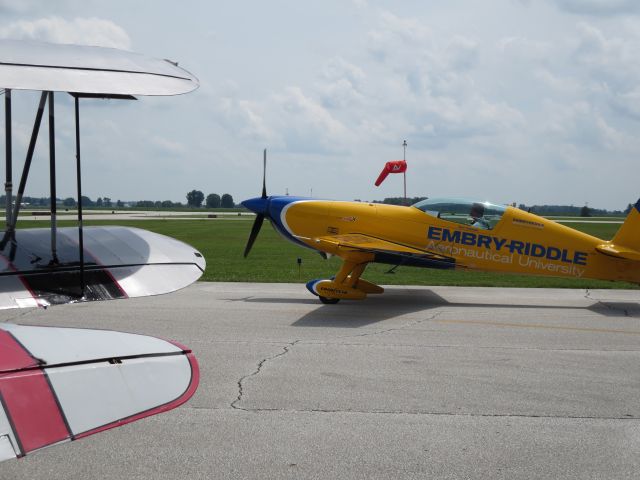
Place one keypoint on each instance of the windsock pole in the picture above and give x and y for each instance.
(404, 157)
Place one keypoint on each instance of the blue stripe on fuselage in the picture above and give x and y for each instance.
(276, 205)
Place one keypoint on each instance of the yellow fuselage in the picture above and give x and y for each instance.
(520, 242)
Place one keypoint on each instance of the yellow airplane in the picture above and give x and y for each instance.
(446, 234)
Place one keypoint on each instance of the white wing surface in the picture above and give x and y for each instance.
(62, 384)
(31, 65)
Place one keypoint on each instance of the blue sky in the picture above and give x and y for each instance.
(506, 100)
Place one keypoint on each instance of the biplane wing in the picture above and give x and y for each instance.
(119, 262)
(39, 267)
(31, 65)
(62, 384)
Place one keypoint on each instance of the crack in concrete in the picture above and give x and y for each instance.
(394, 329)
(606, 305)
(286, 349)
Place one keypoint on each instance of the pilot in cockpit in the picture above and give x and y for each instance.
(477, 217)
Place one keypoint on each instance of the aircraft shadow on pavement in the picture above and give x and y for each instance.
(355, 314)
(616, 309)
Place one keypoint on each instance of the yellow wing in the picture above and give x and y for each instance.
(365, 242)
(382, 251)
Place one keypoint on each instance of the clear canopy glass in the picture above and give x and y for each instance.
(483, 215)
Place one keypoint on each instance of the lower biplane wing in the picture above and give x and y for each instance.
(62, 384)
(382, 251)
(119, 262)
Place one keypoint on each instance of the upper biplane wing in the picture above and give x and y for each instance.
(61, 384)
(31, 65)
(383, 251)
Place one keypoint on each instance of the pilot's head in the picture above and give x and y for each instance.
(477, 210)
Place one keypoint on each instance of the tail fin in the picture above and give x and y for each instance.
(626, 242)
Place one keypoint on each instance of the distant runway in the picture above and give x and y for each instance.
(421, 382)
(43, 215)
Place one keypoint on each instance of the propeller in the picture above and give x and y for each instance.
(255, 229)
(264, 174)
(257, 223)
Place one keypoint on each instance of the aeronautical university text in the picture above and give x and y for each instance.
(502, 250)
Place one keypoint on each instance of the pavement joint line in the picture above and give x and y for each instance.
(416, 345)
(634, 419)
(233, 342)
(470, 347)
(542, 327)
(285, 349)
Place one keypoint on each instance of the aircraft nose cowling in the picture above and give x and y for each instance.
(256, 205)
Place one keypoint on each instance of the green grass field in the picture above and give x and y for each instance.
(273, 259)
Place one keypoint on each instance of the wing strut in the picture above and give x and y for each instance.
(9, 234)
(79, 184)
(8, 186)
(52, 182)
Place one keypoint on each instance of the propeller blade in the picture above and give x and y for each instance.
(264, 175)
(257, 224)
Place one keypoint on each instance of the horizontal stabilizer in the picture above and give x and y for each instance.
(619, 251)
(62, 384)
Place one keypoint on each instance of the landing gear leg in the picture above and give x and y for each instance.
(347, 283)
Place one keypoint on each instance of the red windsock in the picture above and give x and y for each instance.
(395, 166)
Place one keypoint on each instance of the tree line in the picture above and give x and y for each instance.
(196, 197)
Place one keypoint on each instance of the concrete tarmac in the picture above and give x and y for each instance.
(421, 382)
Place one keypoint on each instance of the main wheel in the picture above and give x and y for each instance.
(328, 301)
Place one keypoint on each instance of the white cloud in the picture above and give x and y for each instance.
(341, 84)
(360, 3)
(581, 125)
(524, 49)
(392, 34)
(599, 7)
(290, 120)
(305, 124)
(81, 31)
(168, 147)
(628, 103)
(462, 53)
(244, 119)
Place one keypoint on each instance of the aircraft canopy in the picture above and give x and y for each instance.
(482, 215)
